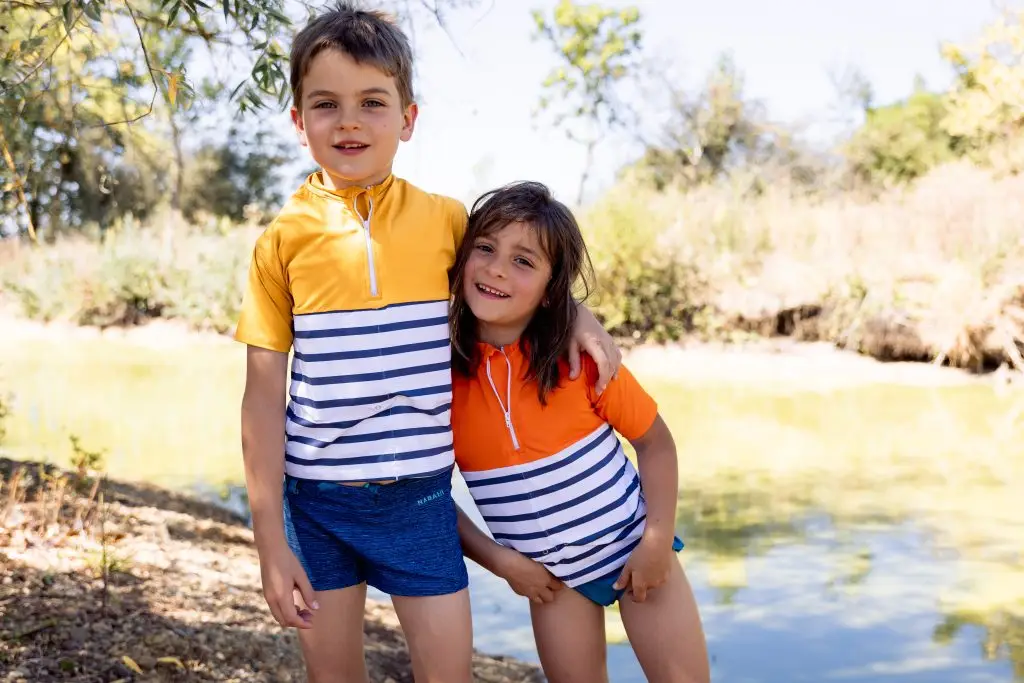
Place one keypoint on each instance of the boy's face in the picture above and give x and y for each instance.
(351, 119)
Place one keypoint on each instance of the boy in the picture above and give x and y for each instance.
(352, 276)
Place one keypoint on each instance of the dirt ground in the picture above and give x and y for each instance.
(152, 586)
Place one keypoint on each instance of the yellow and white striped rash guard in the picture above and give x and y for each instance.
(355, 281)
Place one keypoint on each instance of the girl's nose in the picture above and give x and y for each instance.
(495, 269)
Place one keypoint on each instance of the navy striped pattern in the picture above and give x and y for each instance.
(580, 512)
(371, 394)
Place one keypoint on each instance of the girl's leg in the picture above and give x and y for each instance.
(439, 630)
(570, 638)
(666, 633)
(333, 648)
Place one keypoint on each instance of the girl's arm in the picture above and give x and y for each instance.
(649, 564)
(526, 577)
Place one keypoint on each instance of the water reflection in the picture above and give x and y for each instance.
(866, 533)
(1003, 635)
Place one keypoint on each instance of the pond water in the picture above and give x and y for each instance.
(859, 532)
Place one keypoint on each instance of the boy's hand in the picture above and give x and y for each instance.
(590, 336)
(283, 576)
(528, 578)
(647, 568)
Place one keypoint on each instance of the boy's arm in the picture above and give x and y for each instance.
(590, 336)
(263, 437)
(263, 412)
(526, 577)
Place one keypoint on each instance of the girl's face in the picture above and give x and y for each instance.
(505, 280)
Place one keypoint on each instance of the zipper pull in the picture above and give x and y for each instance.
(511, 430)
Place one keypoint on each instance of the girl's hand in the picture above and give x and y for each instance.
(588, 335)
(648, 567)
(528, 578)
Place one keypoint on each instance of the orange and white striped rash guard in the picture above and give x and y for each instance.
(552, 481)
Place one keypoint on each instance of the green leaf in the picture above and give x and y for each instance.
(65, 11)
(274, 14)
(92, 10)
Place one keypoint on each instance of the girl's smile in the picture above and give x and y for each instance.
(505, 281)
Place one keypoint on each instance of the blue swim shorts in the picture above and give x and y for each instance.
(400, 538)
(601, 590)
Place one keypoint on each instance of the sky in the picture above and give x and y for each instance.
(478, 88)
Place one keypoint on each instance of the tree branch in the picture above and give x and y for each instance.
(436, 11)
(149, 68)
(17, 182)
(37, 67)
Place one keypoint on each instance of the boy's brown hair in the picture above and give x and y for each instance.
(367, 36)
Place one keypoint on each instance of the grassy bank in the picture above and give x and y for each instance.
(922, 273)
(117, 581)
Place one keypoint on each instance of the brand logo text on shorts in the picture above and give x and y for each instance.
(433, 496)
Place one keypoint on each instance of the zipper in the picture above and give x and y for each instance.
(369, 242)
(508, 397)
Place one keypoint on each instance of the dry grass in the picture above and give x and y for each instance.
(932, 271)
(929, 272)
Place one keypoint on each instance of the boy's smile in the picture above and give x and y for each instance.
(352, 118)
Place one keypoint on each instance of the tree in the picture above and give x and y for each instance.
(902, 141)
(78, 78)
(235, 177)
(986, 103)
(81, 80)
(597, 49)
(716, 131)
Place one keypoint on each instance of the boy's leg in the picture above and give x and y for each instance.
(570, 639)
(415, 556)
(666, 633)
(440, 635)
(333, 648)
(314, 514)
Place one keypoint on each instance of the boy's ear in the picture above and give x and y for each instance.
(300, 127)
(409, 121)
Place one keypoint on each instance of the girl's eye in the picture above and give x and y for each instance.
(523, 262)
(486, 248)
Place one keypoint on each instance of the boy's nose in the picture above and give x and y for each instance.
(347, 120)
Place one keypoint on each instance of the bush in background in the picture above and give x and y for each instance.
(925, 271)
(134, 274)
(928, 271)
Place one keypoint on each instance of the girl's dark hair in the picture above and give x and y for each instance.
(546, 338)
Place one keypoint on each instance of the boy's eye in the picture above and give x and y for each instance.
(374, 103)
(323, 105)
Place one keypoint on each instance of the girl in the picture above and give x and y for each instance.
(575, 526)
